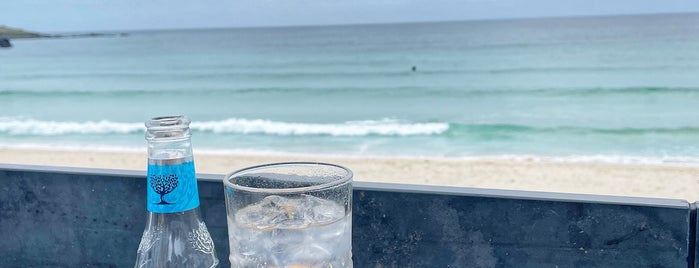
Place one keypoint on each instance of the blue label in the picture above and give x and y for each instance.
(172, 188)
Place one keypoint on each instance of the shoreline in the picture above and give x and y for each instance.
(640, 180)
(626, 160)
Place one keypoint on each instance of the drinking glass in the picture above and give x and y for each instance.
(290, 215)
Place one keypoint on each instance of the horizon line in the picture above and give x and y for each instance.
(371, 23)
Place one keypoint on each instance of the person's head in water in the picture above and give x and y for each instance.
(414, 68)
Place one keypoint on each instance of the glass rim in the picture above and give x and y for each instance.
(347, 177)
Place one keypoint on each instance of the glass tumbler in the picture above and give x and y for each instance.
(290, 215)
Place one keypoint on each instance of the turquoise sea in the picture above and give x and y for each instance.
(620, 89)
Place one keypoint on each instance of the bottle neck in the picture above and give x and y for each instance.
(164, 149)
(172, 182)
(168, 137)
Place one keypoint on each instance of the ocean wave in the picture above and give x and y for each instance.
(121, 92)
(222, 75)
(494, 130)
(294, 70)
(581, 69)
(384, 127)
(592, 158)
(629, 159)
(50, 128)
(405, 91)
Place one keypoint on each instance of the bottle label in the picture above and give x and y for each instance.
(172, 185)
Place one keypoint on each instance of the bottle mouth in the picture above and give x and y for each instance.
(168, 127)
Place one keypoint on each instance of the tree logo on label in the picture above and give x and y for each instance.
(163, 185)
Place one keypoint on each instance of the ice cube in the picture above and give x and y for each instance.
(325, 211)
(289, 212)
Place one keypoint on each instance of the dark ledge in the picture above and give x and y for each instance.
(75, 217)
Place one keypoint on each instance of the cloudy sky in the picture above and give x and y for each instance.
(115, 15)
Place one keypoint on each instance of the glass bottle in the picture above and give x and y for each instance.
(175, 234)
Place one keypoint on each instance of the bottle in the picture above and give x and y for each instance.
(175, 234)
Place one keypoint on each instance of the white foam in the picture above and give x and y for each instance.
(590, 159)
(15, 126)
(598, 158)
(87, 147)
(49, 128)
(350, 128)
(594, 159)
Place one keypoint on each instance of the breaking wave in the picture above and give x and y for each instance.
(383, 127)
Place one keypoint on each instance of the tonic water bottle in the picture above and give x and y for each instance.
(175, 234)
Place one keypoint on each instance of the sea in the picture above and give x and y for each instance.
(621, 89)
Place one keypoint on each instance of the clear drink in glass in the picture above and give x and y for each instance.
(290, 215)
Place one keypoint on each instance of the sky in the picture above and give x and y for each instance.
(56, 16)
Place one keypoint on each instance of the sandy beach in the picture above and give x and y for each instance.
(681, 182)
